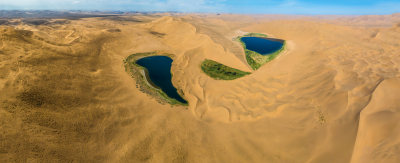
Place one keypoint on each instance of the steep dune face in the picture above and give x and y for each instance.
(378, 133)
(330, 97)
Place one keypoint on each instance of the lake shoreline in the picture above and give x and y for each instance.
(142, 78)
(255, 59)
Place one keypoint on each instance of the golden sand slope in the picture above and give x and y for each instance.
(378, 135)
(331, 97)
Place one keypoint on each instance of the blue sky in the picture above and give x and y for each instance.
(341, 7)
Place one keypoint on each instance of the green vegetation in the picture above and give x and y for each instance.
(255, 35)
(254, 59)
(219, 71)
(141, 75)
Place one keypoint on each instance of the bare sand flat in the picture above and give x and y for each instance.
(331, 96)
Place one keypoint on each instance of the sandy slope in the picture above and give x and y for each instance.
(378, 133)
(331, 97)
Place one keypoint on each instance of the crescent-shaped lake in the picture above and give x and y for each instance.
(159, 71)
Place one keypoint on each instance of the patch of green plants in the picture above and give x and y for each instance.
(254, 59)
(255, 35)
(221, 72)
(141, 75)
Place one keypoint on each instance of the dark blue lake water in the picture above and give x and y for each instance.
(159, 71)
(263, 46)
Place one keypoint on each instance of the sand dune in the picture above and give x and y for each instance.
(378, 136)
(330, 97)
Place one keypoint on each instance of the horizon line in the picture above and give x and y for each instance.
(185, 12)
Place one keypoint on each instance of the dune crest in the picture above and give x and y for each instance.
(378, 136)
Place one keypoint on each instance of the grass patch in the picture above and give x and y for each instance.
(221, 72)
(255, 35)
(136, 72)
(254, 59)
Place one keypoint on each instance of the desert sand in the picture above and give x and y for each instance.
(332, 96)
